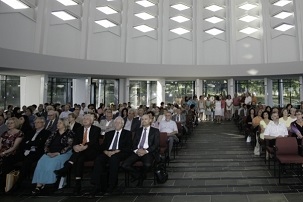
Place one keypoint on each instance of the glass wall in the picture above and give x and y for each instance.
(255, 87)
(105, 91)
(59, 90)
(215, 87)
(10, 91)
(175, 90)
(286, 91)
(142, 92)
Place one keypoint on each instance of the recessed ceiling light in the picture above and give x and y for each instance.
(144, 16)
(67, 2)
(179, 31)
(144, 28)
(145, 3)
(107, 10)
(282, 3)
(214, 31)
(248, 30)
(180, 19)
(248, 18)
(283, 15)
(284, 27)
(214, 8)
(214, 20)
(248, 6)
(106, 23)
(63, 15)
(15, 4)
(180, 7)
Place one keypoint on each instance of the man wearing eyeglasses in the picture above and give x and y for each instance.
(52, 120)
(275, 128)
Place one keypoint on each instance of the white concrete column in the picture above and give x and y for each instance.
(199, 87)
(160, 91)
(121, 95)
(33, 90)
(268, 91)
(81, 90)
(231, 87)
(301, 87)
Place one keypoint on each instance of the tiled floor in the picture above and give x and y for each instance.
(216, 164)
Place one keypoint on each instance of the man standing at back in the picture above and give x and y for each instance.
(145, 148)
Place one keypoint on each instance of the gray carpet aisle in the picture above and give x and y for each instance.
(216, 164)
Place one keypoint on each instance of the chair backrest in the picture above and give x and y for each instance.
(179, 126)
(163, 140)
(286, 145)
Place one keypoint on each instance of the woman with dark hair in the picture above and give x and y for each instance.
(218, 109)
(251, 115)
(31, 116)
(288, 107)
(25, 126)
(16, 112)
(268, 109)
(264, 122)
(124, 112)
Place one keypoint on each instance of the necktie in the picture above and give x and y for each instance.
(143, 139)
(50, 124)
(84, 137)
(114, 147)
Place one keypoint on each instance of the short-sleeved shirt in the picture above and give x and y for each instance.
(168, 126)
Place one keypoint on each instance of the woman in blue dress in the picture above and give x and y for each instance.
(58, 149)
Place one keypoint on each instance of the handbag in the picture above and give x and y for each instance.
(11, 179)
(161, 174)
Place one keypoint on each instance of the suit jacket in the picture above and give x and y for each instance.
(76, 127)
(39, 141)
(103, 126)
(94, 136)
(182, 118)
(41, 114)
(135, 124)
(125, 141)
(153, 140)
(54, 126)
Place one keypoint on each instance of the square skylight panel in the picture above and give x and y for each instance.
(179, 19)
(67, 2)
(248, 6)
(214, 31)
(214, 8)
(214, 20)
(106, 23)
(180, 7)
(15, 4)
(144, 16)
(248, 30)
(284, 27)
(282, 3)
(179, 31)
(144, 28)
(107, 10)
(63, 15)
(145, 3)
(283, 15)
(248, 18)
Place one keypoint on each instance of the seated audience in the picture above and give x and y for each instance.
(57, 150)
(296, 127)
(3, 126)
(285, 118)
(51, 123)
(130, 123)
(275, 128)
(264, 122)
(73, 125)
(293, 114)
(108, 123)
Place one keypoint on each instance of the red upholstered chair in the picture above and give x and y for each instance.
(286, 152)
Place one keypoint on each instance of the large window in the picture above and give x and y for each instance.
(175, 90)
(215, 87)
(10, 91)
(255, 87)
(104, 91)
(142, 93)
(59, 90)
(286, 91)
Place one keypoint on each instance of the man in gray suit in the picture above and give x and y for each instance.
(108, 123)
(51, 123)
(180, 117)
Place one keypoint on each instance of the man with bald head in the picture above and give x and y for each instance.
(145, 148)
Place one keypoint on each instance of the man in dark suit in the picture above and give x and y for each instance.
(145, 148)
(130, 123)
(116, 147)
(41, 112)
(52, 120)
(86, 148)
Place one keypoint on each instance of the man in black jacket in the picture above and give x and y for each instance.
(116, 147)
(145, 148)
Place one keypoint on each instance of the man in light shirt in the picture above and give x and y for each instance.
(108, 123)
(170, 127)
(275, 129)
